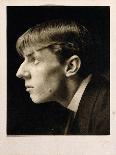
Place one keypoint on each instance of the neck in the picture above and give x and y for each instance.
(72, 85)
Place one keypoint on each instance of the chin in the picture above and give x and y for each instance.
(39, 100)
(36, 101)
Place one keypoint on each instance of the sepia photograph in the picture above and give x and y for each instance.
(58, 70)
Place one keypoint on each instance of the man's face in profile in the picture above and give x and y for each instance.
(43, 75)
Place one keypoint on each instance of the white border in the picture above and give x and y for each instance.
(55, 145)
(56, 2)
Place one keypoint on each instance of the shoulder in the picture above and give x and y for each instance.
(100, 121)
(94, 111)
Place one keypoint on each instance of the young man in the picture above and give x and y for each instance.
(59, 66)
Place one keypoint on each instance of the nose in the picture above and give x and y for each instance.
(23, 72)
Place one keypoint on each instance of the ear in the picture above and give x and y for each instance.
(72, 65)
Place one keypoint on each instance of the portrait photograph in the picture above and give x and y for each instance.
(58, 70)
(57, 77)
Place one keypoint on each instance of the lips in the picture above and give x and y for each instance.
(28, 88)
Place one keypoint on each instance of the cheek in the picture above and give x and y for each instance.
(48, 78)
(46, 71)
(39, 77)
(54, 80)
(54, 74)
(48, 83)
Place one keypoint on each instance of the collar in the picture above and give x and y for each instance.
(73, 106)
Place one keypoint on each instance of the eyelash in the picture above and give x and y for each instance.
(34, 61)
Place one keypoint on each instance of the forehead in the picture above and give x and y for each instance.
(44, 53)
(27, 51)
(33, 47)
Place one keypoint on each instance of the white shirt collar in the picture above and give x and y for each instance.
(78, 95)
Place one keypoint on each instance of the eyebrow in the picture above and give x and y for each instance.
(29, 54)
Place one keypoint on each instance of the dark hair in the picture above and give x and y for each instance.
(62, 37)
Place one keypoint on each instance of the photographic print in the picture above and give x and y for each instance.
(58, 70)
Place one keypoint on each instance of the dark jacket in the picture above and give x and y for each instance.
(93, 115)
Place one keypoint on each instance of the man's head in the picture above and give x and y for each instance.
(55, 53)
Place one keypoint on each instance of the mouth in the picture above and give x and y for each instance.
(29, 88)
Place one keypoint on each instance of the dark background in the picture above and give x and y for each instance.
(23, 115)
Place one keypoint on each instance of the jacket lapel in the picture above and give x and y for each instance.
(83, 116)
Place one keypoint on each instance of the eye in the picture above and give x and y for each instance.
(34, 60)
